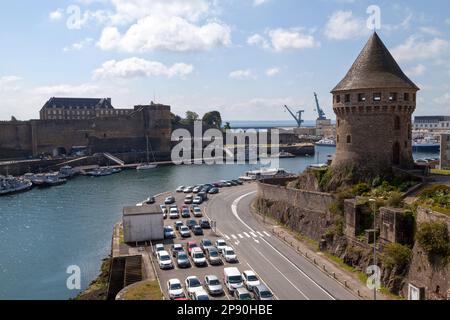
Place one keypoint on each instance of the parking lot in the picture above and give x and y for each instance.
(200, 272)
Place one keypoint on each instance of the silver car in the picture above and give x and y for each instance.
(213, 285)
(213, 256)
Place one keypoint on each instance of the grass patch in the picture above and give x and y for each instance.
(148, 290)
(441, 172)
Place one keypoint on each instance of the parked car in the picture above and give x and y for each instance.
(250, 280)
(164, 260)
(198, 200)
(220, 245)
(185, 213)
(180, 189)
(197, 230)
(229, 255)
(213, 191)
(203, 195)
(192, 284)
(169, 233)
(182, 260)
(239, 182)
(174, 213)
(158, 247)
(197, 211)
(205, 244)
(262, 293)
(175, 289)
(191, 223)
(198, 257)
(200, 295)
(242, 294)
(188, 189)
(150, 200)
(178, 225)
(176, 248)
(185, 232)
(189, 199)
(204, 223)
(213, 256)
(169, 200)
(197, 189)
(213, 285)
(190, 245)
(232, 279)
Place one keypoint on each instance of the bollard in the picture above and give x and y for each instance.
(315, 261)
(324, 268)
(359, 294)
(306, 254)
(334, 275)
(345, 283)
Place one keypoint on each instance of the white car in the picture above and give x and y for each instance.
(175, 289)
(198, 200)
(198, 257)
(232, 279)
(164, 210)
(250, 280)
(197, 212)
(192, 284)
(180, 189)
(220, 245)
(213, 285)
(229, 255)
(174, 213)
(158, 247)
(200, 295)
(164, 260)
(188, 189)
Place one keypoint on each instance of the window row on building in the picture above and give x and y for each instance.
(69, 114)
(376, 97)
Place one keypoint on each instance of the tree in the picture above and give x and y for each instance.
(190, 119)
(227, 126)
(213, 119)
(434, 239)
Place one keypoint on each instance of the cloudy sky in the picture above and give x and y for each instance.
(246, 58)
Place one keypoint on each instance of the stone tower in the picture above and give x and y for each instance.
(374, 104)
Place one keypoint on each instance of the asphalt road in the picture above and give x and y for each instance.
(287, 274)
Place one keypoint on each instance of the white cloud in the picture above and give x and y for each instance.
(9, 83)
(416, 48)
(259, 2)
(136, 67)
(56, 15)
(418, 70)
(284, 39)
(79, 45)
(447, 21)
(272, 72)
(431, 31)
(445, 99)
(342, 25)
(242, 74)
(166, 33)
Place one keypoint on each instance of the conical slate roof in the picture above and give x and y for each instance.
(375, 68)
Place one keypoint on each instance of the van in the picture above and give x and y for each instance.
(232, 279)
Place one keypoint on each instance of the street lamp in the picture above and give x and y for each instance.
(373, 205)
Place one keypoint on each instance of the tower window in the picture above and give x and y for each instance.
(377, 96)
(393, 96)
(337, 138)
(339, 123)
(347, 98)
(338, 98)
(406, 96)
(397, 123)
(349, 139)
(414, 97)
(361, 97)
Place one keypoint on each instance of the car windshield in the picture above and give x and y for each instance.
(207, 243)
(198, 255)
(184, 229)
(245, 296)
(193, 283)
(197, 210)
(266, 294)
(203, 297)
(221, 243)
(230, 252)
(182, 257)
(214, 282)
(175, 286)
(164, 258)
(252, 278)
(213, 253)
(192, 245)
(235, 279)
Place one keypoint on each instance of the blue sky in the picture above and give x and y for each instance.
(245, 58)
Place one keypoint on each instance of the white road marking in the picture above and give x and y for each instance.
(235, 213)
(260, 234)
(262, 281)
(240, 236)
(234, 237)
(256, 240)
(227, 237)
(267, 234)
(237, 242)
(247, 235)
(253, 235)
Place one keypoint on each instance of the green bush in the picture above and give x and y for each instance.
(437, 198)
(433, 238)
(395, 200)
(360, 189)
(395, 254)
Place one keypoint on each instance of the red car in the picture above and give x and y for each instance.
(190, 245)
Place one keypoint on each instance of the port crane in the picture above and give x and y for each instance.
(319, 109)
(297, 116)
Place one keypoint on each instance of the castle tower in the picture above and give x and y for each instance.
(374, 104)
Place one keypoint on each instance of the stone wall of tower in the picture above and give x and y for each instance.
(374, 134)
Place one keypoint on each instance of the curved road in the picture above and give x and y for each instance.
(289, 275)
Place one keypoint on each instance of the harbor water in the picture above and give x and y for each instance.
(44, 231)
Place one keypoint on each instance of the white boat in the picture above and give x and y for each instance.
(266, 174)
(148, 165)
(326, 143)
(11, 185)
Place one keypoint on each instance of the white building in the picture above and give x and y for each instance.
(143, 223)
(432, 123)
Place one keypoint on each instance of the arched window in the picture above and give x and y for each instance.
(337, 139)
(397, 123)
(349, 139)
(339, 123)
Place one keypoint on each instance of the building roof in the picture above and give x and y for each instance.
(375, 68)
(142, 210)
(78, 103)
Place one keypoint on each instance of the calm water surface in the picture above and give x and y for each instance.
(44, 231)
